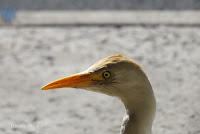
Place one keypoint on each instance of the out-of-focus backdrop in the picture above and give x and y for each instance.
(41, 41)
(100, 4)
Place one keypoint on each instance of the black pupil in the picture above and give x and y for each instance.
(106, 74)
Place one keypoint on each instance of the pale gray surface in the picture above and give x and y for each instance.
(32, 57)
(105, 17)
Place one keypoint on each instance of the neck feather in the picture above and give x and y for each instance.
(140, 112)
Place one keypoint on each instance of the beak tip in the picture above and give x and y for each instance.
(44, 88)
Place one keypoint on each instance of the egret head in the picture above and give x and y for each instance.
(116, 75)
(119, 76)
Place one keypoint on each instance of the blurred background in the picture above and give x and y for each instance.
(101, 4)
(43, 40)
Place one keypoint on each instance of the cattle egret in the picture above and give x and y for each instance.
(120, 76)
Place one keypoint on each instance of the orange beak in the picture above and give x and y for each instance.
(75, 81)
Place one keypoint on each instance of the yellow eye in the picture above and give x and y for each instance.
(106, 74)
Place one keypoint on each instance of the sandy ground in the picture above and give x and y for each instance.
(33, 57)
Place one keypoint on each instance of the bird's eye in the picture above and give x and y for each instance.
(106, 74)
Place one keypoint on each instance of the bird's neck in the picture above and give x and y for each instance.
(140, 112)
(134, 124)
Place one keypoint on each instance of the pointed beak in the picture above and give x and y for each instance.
(75, 81)
(79, 80)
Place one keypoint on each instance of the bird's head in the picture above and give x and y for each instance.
(119, 76)
(116, 75)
